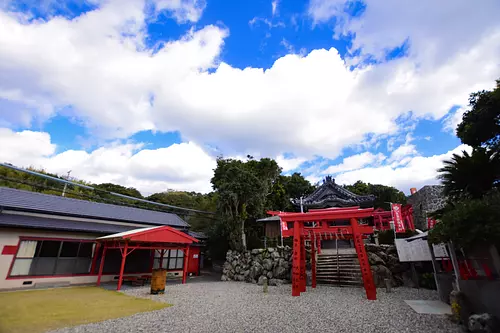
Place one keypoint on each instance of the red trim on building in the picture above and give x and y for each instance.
(9, 250)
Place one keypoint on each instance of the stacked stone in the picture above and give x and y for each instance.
(385, 264)
(259, 265)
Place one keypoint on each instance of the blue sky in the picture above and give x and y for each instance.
(149, 93)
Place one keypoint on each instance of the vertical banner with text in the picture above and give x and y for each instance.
(431, 223)
(398, 218)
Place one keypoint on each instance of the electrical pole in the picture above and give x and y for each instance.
(66, 184)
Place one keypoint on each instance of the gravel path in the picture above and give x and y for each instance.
(241, 307)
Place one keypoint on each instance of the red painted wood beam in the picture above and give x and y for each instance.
(101, 265)
(186, 263)
(302, 264)
(122, 266)
(296, 260)
(313, 262)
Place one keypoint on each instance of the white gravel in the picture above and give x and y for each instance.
(241, 307)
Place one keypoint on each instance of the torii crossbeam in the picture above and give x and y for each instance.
(317, 225)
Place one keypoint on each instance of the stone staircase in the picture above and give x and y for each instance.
(343, 270)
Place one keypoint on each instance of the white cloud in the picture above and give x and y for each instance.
(274, 6)
(355, 162)
(451, 122)
(324, 10)
(182, 10)
(289, 164)
(258, 20)
(184, 166)
(24, 147)
(309, 105)
(417, 172)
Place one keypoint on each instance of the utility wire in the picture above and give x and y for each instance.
(94, 198)
(10, 166)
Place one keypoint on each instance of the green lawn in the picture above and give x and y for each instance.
(42, 310)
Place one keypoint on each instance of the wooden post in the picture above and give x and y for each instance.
(122, 267)
(101, 265)
(371, 291)
(302, 264)
(296, 260)
(186, 263)
(313, 262)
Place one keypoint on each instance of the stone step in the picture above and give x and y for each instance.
(341, 283)
(340, 262)
(334, 270)
(330, 256)
(339, 259)
(335, 265)
(338, 280)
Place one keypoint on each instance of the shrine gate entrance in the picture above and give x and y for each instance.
(320, 224)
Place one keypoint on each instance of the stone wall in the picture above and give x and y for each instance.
(426, 200)
(385, 264)
(259, 265)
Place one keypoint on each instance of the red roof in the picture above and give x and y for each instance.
(162, 234)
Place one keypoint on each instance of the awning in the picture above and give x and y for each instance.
(162, 234)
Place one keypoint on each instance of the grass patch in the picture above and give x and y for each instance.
(42, 310)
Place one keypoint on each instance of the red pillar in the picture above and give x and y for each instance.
(152, 260)
(296, 260)
(94, 260)
(366, 272)
(122, 267)
(101, 265)
(319, 244)
(302, 264)
(313, 262)
(186, 263)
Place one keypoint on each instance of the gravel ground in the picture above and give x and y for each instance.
(241, 307)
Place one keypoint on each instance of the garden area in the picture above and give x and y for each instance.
(43, 310)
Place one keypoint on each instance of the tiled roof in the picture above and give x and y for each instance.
(58, 205)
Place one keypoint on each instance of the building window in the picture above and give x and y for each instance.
(172, 259)
(49, 258)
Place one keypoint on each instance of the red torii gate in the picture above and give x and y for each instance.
(316, 225)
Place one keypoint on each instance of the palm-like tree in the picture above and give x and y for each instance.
(470, 176)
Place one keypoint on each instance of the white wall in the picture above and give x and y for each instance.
(11, 237)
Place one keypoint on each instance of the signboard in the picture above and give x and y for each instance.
(431, 223)
(418, 250)
(195, 256)
(398, 218)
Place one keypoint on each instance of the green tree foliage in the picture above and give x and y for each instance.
(480, 126)
(472, 215)
(383, 194)
(192, 200)
(470, 176)
(242, 189)
(286, 188)
(470, 222)
(109, 187)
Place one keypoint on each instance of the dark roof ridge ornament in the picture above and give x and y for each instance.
(329, 194)
(329, 179)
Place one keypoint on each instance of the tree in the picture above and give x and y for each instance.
(383, 194)
(286, 188)
(471, 181)
(109, 187)
(470, 176)
(480, 126)
(242, 189)
(471, 222)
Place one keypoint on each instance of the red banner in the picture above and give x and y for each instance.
(284, 225)
(431, 223)
(398, 218)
